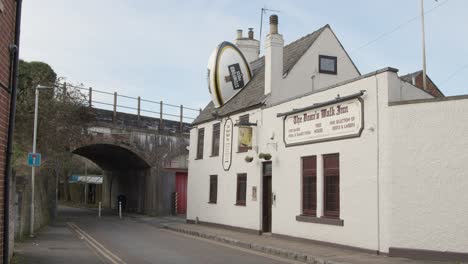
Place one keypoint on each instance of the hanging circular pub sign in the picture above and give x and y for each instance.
(228, 73)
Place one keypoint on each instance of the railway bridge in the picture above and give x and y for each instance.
(139, 156)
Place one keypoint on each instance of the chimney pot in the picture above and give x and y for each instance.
(239, 33)
(274, 45)
(273, 24)
(251, 33)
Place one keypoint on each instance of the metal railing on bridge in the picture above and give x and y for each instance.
(179, 113)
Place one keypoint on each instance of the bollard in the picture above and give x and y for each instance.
(176, 198)
(120, 210)
(99, 211)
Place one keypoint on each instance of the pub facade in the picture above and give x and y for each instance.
(312, 149)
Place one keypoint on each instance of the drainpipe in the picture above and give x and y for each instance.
(14, 85)
(378, 162)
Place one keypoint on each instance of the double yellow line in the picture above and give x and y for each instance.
(96, 246)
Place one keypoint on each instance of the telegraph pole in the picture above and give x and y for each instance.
(423, 46)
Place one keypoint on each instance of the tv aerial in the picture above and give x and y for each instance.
(264, 11)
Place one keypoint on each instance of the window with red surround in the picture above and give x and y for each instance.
(309, 186)
(331, 173)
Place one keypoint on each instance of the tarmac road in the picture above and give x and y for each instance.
(128, 240)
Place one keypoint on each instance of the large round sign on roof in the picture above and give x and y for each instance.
(228, 73)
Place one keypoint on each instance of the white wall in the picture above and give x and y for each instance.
(299, 79)
(358, 172)
(403, 182)
(429, 163)
(406, 91)
(224, 211)
(358, 179)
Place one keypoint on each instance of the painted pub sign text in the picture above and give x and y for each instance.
(336, 121)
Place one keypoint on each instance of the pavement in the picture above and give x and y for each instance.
(56, 243)
(303, 252)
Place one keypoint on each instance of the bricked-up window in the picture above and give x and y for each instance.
(331, 173)
(241, 193)
(200, 142)
(215, 140)
(213, 188)
(309, 186)
(245, 134)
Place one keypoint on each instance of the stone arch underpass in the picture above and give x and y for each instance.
(136, 163)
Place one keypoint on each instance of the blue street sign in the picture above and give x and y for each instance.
(34, 159)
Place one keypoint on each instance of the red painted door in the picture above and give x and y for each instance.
(181, 189)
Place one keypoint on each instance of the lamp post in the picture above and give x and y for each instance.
(33, 168)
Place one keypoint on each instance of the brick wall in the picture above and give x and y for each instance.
(7, 34)
(431, 87)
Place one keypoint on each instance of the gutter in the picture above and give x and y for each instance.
(14, 51)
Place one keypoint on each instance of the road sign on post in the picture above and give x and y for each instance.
(34, 159)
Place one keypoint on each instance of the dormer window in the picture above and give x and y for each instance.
(328, 64)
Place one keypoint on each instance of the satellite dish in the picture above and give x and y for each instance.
(228, 73)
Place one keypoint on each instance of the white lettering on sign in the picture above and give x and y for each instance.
(227, 147)
(340, 120)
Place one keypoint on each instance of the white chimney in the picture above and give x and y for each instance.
(274, 44)
(249, 46)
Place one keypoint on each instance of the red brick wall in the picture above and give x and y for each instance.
(7, 34)
(431, 88)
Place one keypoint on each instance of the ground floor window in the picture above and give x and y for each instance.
(213, 189)
(241, 192)
(331, 173)
(309, 186)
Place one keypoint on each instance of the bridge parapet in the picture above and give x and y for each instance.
(135, 110)
(106, 118)
(134, 151)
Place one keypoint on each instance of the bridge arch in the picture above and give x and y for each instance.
(137, 160)
(126, 171)
(113, 156)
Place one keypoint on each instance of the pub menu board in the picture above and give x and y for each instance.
(227, 144)
(331, 122)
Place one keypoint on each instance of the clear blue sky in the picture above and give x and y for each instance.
(159, 49)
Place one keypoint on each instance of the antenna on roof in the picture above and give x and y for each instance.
(264, 11)
(424, 46)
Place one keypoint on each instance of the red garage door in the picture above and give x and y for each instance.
(181, 189)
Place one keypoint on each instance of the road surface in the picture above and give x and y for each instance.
(138, 240)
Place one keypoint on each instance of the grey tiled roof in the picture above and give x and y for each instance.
(409, 77)
(252, 95)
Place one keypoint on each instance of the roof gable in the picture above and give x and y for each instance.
(252, 95)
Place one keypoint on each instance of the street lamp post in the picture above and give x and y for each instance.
(33, 168)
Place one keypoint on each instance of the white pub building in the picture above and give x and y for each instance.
(310, 148)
